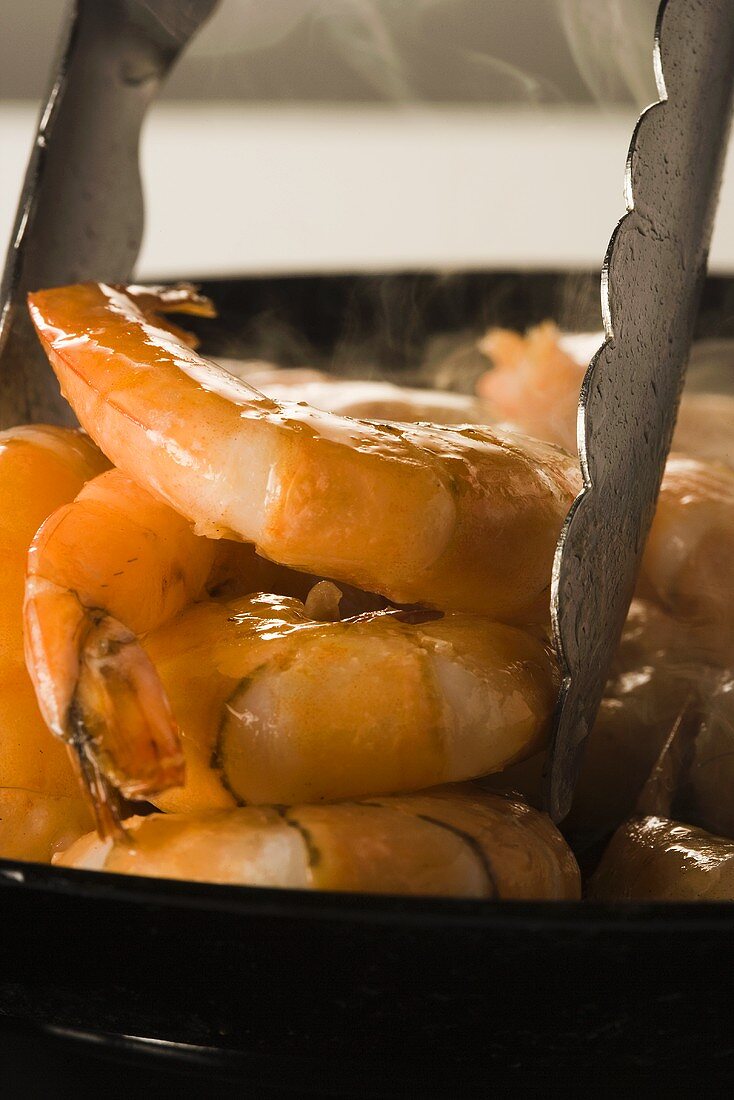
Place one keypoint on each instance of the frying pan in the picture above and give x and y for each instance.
(356, 992)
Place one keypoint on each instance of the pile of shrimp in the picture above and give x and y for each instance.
(263, 627)
(273, 642)
(655, 792)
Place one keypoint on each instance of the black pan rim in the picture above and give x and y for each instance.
(391, 909)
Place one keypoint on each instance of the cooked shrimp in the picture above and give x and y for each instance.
(368, 399)
(459, 518)
(35, 825)
(705, 427)
(654, 859)
(40, 469)
(293, 708)
(103, 571)
(705, 789)
(451, 841)
(692, 779)
(274, 707)
(688, 564)
(657, 672)
(535, 381)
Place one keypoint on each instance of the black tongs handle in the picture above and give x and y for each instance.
(81, 210)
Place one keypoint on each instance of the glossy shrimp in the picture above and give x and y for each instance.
(41, 807)
(449, 841)
(704, 793)
(277, 707)
(657, 674)
(458, 518)
(688, 564)
(102, 571)
(655, 859)
(664, 685)
(126, 649)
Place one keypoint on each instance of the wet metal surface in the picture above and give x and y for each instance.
(653, 273)
(81, 210)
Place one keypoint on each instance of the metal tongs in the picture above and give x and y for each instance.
(651, 281)
(81, 218)
(81, 210)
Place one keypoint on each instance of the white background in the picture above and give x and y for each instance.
(237, 188)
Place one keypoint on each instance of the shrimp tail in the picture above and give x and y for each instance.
(103, 697)
(101, 796)
(159, 301)
(120, 709)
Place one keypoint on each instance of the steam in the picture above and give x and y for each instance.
(363, 37)
(611, 43)
(410, 52)
(248, 26)
(399, 51)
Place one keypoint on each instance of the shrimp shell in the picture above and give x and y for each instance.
(103, 571)
(41, 468)
(655, 859)
(446, 841)
(459, 518)
(275, 707)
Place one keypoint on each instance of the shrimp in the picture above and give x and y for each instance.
(656, 673)
(688, 563)
(447, 841)
(705, 427)
(41, 468)
(534, 383)
(692, 778)
(687, 566)
(127, 651)
(705, 789)
(103, 570)
(368, 399)
(534, 387)
(664, 675)
(34, 825)
(655, 859)
(279, 708)
(461, 519)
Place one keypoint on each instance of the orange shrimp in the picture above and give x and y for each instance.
(453, 841)
(41, 806)
(119, 623)
(688, 564)
(103, 571)
(458, 518)
(276, 707)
